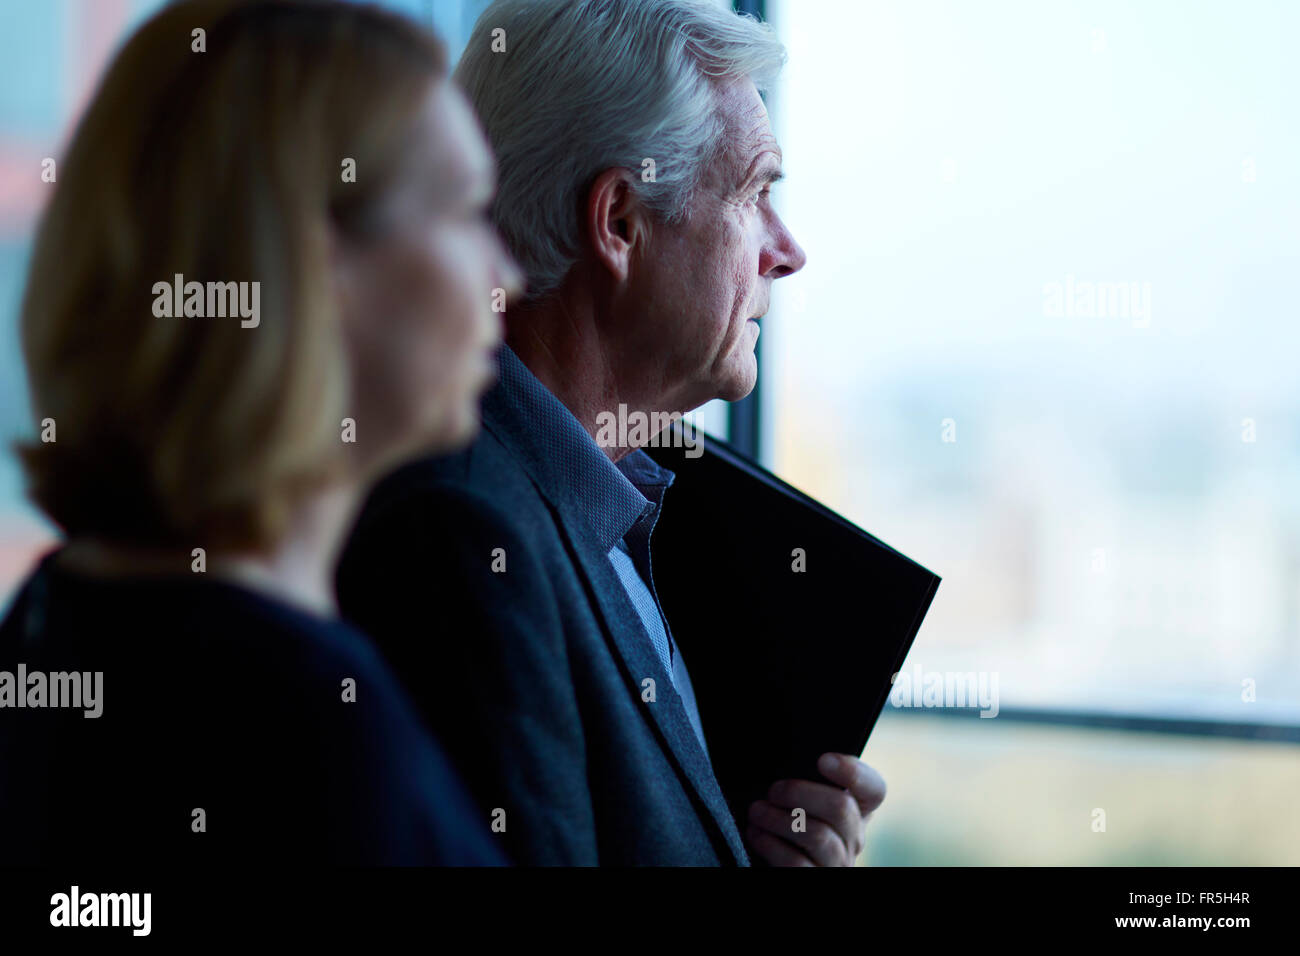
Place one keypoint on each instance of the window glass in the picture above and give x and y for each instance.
(1045, 342)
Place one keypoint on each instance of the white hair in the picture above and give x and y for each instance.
(586, 85)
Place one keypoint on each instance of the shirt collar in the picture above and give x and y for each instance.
(614, 496)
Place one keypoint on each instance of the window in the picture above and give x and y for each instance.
(1045, 345)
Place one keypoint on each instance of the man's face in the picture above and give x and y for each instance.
(695, 294)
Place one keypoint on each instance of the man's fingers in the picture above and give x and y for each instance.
(816, 839)
(861, 780)
(775, 850)
(834, 805)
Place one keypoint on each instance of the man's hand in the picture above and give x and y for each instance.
(835, 816)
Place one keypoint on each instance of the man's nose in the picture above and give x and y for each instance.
(786, 256)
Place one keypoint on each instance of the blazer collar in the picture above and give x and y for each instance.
(573, 471)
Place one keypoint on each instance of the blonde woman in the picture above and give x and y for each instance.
(264, 277)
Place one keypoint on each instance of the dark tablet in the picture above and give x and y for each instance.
(787, 664)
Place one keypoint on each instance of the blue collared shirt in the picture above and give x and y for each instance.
(625, 502)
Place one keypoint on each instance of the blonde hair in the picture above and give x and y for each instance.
(224, 165)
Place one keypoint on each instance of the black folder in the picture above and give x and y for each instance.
(786, 664)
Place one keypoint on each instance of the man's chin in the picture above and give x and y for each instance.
(738, 386)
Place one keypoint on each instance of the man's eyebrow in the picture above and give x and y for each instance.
(765, 170)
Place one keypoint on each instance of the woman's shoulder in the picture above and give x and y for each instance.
(57, 609)
(288, 723)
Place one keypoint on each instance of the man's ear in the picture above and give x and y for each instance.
(616, 220)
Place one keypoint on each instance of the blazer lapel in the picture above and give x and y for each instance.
(530, 431)
(624, 629)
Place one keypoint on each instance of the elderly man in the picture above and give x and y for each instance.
(511, 585)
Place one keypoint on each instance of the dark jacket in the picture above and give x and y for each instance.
(532, 677)
(218, 699)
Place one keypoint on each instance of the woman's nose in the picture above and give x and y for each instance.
(509, 276)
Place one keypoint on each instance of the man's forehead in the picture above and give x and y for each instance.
(744, 110)
(748, 132)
